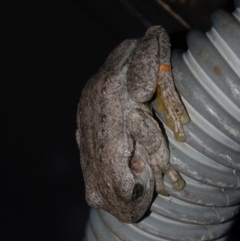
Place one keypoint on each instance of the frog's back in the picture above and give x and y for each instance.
(101, 113)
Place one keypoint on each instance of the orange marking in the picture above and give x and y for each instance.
(164, 67)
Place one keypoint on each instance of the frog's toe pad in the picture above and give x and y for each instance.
(185, 118)
(180, 136)
(179, 185)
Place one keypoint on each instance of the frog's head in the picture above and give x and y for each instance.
(125, 189)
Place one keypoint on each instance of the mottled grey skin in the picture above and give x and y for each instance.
(123, 152)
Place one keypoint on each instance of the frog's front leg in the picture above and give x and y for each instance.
(145, 130)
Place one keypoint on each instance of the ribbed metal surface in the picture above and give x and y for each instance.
(208, 78)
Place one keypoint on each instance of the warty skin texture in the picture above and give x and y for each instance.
(123, 151)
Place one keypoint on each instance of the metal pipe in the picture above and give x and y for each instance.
(208, 77)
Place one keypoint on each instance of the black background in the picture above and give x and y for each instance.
(50, 49)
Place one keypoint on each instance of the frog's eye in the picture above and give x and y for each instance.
(137, 192)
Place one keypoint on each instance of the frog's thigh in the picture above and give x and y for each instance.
(141, 88)
(142, 71)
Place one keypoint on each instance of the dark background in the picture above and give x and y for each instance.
(50, 48)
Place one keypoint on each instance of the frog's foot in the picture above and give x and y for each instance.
(169, 102)
(176, 180)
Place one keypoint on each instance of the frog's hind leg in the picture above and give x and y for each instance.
(168, 99)
(149, 67)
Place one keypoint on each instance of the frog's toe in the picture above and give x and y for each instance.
(160, 189)
(159, 184)
(179, 136)
(179, 184)
(163, 192)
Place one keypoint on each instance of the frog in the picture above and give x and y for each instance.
(124, 153)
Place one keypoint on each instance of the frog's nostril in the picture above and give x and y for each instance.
(136, 165)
